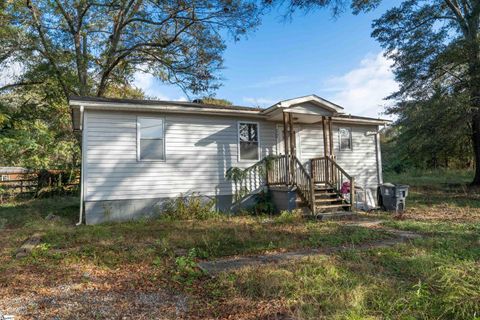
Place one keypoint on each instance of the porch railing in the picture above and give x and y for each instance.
(304, 183)
(326, 170)
(278, 169)
(249, 180)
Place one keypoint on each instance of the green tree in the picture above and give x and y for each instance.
(88, 45)
(432, 43)
(94, 47)
(423, 135)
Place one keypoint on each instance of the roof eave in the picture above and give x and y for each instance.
(112, 106)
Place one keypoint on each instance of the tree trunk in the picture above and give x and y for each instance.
(476, 146)
(474, 86)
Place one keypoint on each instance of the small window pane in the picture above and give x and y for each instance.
(248, 132)
(248, 150)
(248, 136)
(151, 149)
(151, 128)
(151, 139)
(345, 139)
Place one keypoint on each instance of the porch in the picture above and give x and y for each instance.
(320, 182)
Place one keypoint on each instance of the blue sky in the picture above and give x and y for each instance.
(311, 54)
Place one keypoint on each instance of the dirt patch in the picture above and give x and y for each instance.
(74, 302)
(216, 266)
(443, 212)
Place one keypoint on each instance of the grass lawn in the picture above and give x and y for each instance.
(147, 269)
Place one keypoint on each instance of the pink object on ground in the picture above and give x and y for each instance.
(345, 187)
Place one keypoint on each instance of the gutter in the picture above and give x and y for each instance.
(82, 175)
(166, 108)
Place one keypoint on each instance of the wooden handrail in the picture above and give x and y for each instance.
(304, 183)
(328, 171)
(288, 170)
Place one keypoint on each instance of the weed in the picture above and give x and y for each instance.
(192, 207)
(187, 270)
(288, 217)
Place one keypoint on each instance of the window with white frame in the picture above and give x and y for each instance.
(345, 138)
(248, 141)
(150, 138)
(4, 177)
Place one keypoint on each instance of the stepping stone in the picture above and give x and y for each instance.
(227, 264)
(28, 246)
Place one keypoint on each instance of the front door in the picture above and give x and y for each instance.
(281, 145)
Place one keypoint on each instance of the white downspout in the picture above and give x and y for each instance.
(80, 219)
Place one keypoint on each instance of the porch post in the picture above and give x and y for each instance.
(292, 147)
(325, 143)
(325, 148)
(330, 139)
(286, 147)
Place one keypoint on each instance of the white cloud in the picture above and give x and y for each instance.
(362, 90)
(151, 86)
(259, 102)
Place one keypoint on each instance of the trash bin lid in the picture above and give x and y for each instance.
(388, 184)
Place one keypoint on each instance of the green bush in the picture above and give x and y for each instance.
(192, 207)
(263, 204)
(288, 217)
(187, 270)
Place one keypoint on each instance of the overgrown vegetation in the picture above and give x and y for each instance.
(188, 207)
(434, 277)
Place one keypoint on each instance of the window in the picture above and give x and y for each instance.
(4, 178)
(345, 135)
(150, 139)
(248, 141)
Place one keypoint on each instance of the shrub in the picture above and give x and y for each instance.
(263, 204)
(288, 217)
(192, 207)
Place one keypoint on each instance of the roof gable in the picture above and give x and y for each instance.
(312, 101)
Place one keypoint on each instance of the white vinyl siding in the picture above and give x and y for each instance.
(359, 162)
(199, 149)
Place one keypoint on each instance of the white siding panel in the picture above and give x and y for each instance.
(199, 149)
(359, 162)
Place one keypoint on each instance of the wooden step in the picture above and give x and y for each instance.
(319, 194)
(328, 200)
(342, 205)
(329, 190)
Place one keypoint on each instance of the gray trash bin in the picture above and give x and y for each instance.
(392, 197)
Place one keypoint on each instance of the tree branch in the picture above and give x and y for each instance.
(19, 84)
(47, 53)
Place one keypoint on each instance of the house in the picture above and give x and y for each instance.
(136, 154)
